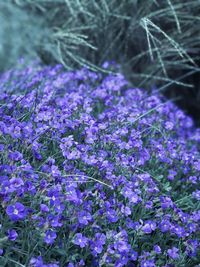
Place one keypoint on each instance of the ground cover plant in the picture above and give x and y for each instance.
(95, 173)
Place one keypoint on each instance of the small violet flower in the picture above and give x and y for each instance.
(12, 235)
(50, 237)
(149, 227)
(16, 212)
(173, 253)
(80, 240)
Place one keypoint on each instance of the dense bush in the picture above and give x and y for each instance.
(95, 173)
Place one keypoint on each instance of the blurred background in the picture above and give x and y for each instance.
(157, 43)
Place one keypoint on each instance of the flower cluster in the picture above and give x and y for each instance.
(95, 173)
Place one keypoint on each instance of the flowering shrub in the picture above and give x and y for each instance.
(95, 173)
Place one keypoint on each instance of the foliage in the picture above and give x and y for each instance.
(95, 173)
(151, 39)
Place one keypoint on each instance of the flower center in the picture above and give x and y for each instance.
(15, 211)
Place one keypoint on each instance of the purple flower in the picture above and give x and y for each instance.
(192, 227)
(59, 207)
(54, 221)
(55, 171)
(122, 246)
(171, 175)
(6, 188)
(178, 230)
(16, 212)
(44, 208)
(15, 156)
(72, 195)
(50, 237)
(132, 196)
(169, 125)
(112, 215)
(52, 265)
(101, 238)
(37, 262)
(157, 249)
(84, 217)
(134, 255)
(196, 194)
(53, 194)
(16, 183)
(197, 165)
(149, 204)
(173, 253)
(147, 263)
(122, 261)
(97, 244)
(1, 251)
(193, 179)
(96, 248)
(166, 202)
(12, 234)
(149, 227)
(126, 210)
(80, 240)
(165, 225)
(81, 263)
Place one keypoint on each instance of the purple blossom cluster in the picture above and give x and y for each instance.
(94, 172)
